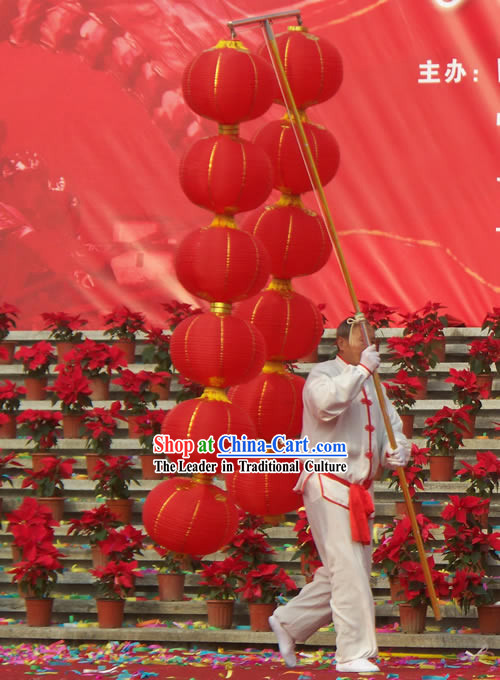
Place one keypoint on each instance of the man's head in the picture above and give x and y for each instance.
(351, 340)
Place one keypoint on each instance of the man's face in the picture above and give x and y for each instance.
(351, 351)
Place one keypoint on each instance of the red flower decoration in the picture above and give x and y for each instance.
(36, 359)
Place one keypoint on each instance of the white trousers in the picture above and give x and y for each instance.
(340, 590)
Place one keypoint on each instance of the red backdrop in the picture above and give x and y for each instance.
(416, 199)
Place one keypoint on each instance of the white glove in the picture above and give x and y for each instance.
(398, 457)
(370, 358)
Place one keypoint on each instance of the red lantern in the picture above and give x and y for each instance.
(189, 516)
(229, 84)
(278, 139)
(202, 418)
(313, 66)
(294, 237)
(226, 174)
(264, 493)
(274, 403)
(222, 264)
(290, 323)
(217, 350)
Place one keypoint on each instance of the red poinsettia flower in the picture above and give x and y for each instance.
(377, 314)
(412, 580)
(265, 582)
(178, 311)
(137, 389)
(94, 524)
(10, 395)
(116, 579)
(72, 388)
(8, 316)
(47, 481)
(63, 325)
(100, 427)
(483, 353)
(466, 390)
(123, 323)
(96, 358)
(39, 427)
(122, 544)
(459, 507)
(37, 358)
(445, 429)
(492, 322)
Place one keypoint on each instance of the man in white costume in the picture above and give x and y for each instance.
(340, 404)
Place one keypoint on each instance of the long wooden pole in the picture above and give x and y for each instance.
(313, 171)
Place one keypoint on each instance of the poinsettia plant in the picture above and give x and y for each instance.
(401, 390)
(491, 322)
(188, 389)
(413, 353)
(38, 574)
(483, 353)
(116, 580)
(123, 324)
(397, 543)
(48, 480)
(157, 349)
(114, 475)
(251, 542)
(138, 395)
(377, 314)
(96, 359)
(8, 316)
(123, 544)
(39, 427)
(171, 562)
(94, 524)
(445, 430)
(178, 311)
(264, 583)
(412, 579)
(64, 327)
(484, 476)
(426, 320)
(219, 580)
(147, 426)
(466, 544)
(470, 587)
(7, 462)
(100, 427)
(10, 395)
(36, 359)
(30, 524)
(71, 388)
(414, 471)
(465, 389)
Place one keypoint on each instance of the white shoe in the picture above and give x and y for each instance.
(357, 666)
(285, 642)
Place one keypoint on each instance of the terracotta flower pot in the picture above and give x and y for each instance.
(128, 348)
(37, 459)
(148, 468)
(441, 468)
(99, 559)
(122, 507)
(489, 619)
(39, 611)
(35, 388)
(162, 390)
(8, 430)
(412, 619)
(469, 430)
(62, 348)
(55, 505)
(397, 591)
(259, 615)
(421, 392)
(110, 613)
(99, 388)
(16, 553)
(408, 422)
(9, 347)
(171, 587)
(91, 460)
(71, 425)
(220, 613)
(402, 510)
(485, 380)
(132, 426)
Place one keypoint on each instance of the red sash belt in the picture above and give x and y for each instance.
(360, 508)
